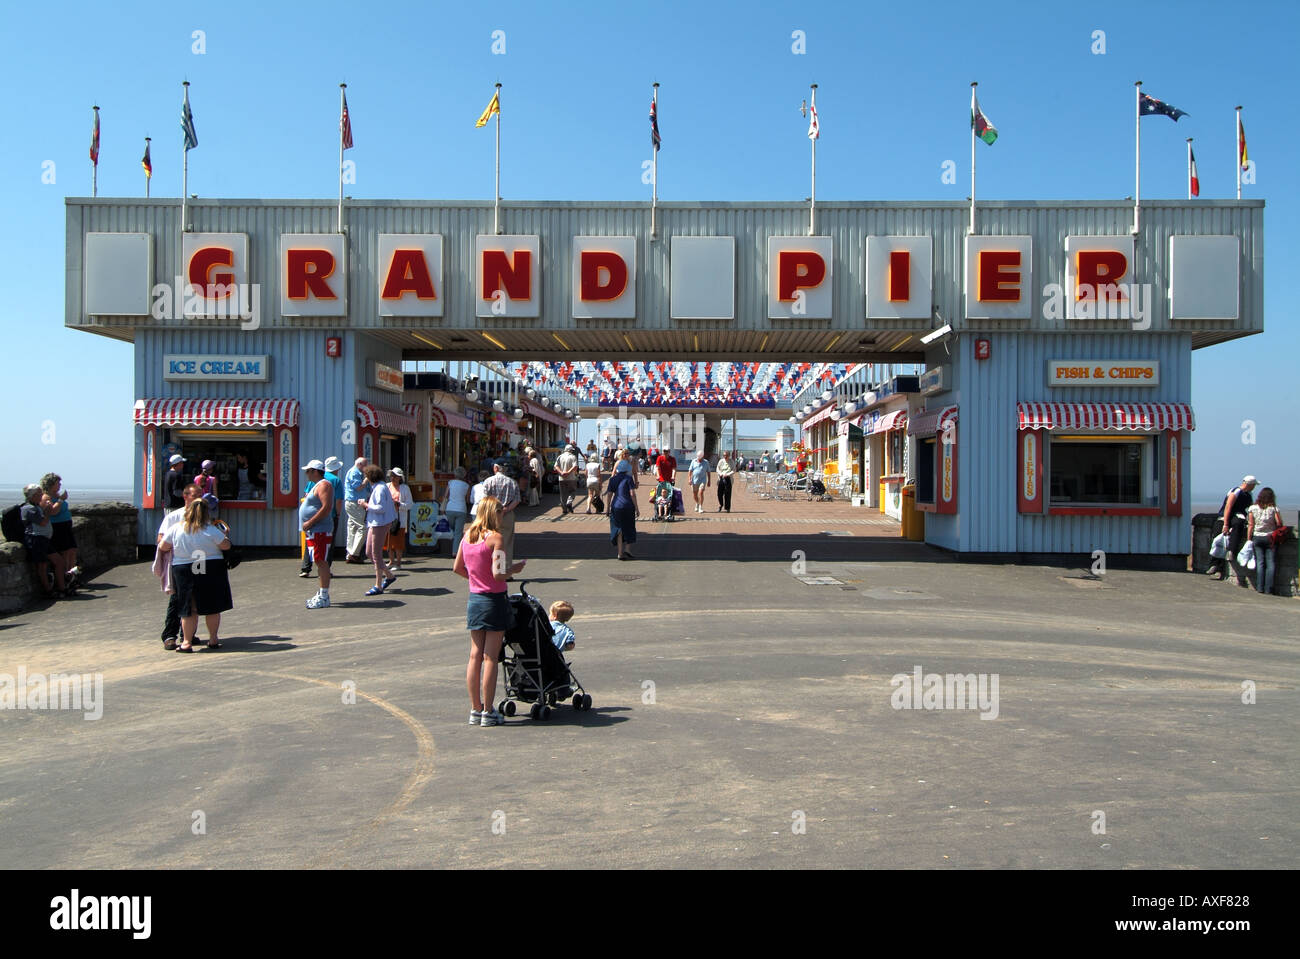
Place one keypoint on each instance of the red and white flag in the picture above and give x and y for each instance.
(345, 125)
(1193, 181)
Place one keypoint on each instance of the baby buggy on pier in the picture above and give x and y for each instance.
(534, 670)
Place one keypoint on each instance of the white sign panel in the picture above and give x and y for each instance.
(702, 278)
(999, 277)
(119, 274)
(899, 277)
(1098, 277)
(1103, 373)
(313, 274)
(410, 274)
(206, 366)
(1204, 277)
(799, 274)
(604, 277)
(215, 275)
(507, 276)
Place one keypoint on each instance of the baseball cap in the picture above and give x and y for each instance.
(333, 464)
(176, 458)
(207, 464)
(1249, 479)
(315, 465)
(211, 500)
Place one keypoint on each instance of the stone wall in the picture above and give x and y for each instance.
(1286, 581)
(105, 534)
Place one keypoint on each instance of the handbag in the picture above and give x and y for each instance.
(232, 556)
(1275, 538)
(1219, 548)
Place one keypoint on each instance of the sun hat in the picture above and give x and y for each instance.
(315, 465)
(333, 464)
(397, 471)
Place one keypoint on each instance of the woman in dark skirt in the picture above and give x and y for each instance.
(622, 508)
(199, 573)
(481, 560)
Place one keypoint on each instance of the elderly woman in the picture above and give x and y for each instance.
(622, 507)
(455, 505)
(199, 573)
(480, 559)
(402, 501)
(380, 514)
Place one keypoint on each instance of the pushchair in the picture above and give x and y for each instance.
(535, 671)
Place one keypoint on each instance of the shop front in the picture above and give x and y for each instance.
(934, 435)
(385, 435)
(887, 440)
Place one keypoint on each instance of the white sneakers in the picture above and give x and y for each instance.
(319, 601)
(490, 717)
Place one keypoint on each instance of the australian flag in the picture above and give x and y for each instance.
(654, 125)
(1149, 106)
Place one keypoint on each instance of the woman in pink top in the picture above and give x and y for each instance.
(482, 561)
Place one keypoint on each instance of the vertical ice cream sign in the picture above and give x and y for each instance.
(313, 274)
(899, 277)
(410, 274)
(999, 277)
(604, 277)
(215, 283)
(799, 275)
(507, 278)
(1098, 277)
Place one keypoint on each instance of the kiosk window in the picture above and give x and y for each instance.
(1102, 471)
(240, 457)
(925, 459)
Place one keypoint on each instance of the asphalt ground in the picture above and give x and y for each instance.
(743, 716)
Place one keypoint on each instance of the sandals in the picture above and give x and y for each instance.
(374, 591)
(213, 644)
(184, 649)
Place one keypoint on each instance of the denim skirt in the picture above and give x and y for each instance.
(490, 611)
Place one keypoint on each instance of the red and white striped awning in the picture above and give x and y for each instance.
(441, 417)
(370, 416)
(1137, 417)
(930, 422)
(818, 416)
(216, 413)
(896, 420)
(412, 410)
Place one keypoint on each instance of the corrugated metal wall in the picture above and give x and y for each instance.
(988, 391)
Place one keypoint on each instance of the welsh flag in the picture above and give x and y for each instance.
(983, 129)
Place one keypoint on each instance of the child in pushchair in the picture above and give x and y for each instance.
(535, 671)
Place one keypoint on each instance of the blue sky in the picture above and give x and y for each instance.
(893, 98)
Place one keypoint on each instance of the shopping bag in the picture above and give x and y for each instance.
(1246, 558)
(679, 505)
(1219, 548)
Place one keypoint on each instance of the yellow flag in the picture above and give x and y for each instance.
(493, 107)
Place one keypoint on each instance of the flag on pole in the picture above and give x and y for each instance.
(985, 130)
(345, 125)
(1193, 181)
(94, 140)
(145, 161)
(814, 126)
(1242, 160)
(654, 125)
(493, 107)
(1150, 106)
(187, 123)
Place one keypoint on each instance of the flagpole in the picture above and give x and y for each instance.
(94, 167)
(654, 167)
(147, 178)
(1189, 168)
(812, 200)
(185, 167)
(496, 209)
(342, 97)
(1237, 147)
(972, 159)
(1137, 153)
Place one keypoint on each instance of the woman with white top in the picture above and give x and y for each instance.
(380, 513)
(198, 573)
(455, 505)
(593, 479)
(1261, 519)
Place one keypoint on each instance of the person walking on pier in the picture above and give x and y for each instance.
(355, 489)
(725, 472)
